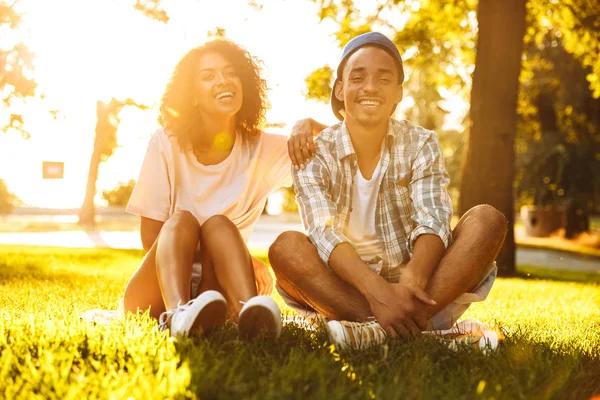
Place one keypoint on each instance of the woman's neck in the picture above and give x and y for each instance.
(217, 134)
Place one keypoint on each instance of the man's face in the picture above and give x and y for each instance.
(369, 87)
(218, 88)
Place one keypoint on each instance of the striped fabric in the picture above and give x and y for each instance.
(413, 197)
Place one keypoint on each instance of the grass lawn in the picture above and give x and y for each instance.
(552, 348)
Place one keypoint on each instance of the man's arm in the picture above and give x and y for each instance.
(317, 209)
(432, 211)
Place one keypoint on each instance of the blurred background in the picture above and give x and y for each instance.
(512, 89)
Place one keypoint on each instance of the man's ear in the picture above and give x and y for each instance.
(399, 94)
(339, 91)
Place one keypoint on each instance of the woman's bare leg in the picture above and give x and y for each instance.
(224, 250)
(163, 278)
(177, 245)
(143, 291)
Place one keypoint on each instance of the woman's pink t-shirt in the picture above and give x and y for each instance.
(237, 187)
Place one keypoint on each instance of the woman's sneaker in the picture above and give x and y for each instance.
(260, 316)
(355, 335)
(202, 314)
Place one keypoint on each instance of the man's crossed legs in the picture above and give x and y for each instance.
(466, 265)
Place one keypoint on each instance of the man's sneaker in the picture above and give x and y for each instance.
(355, 335)
(204, 313)
(479, 340)
(471, 333)
(260, 316)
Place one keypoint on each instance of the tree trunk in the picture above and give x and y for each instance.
(488, 169)
(578, 219)
(87, 213)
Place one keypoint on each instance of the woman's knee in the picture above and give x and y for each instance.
(181, 220)
(217, 222)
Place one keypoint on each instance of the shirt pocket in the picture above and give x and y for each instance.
(401, 192)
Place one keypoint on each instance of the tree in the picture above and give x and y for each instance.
(105, 142)
(107, 123)
(16, 63)
(488, 169)
(7, 199)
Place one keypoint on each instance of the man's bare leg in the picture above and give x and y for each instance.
(302, 274)
(479, 235)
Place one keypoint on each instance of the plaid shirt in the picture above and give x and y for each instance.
(412, 198)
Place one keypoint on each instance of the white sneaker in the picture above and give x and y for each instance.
(355, 335)
(204, 313)
(260, 315)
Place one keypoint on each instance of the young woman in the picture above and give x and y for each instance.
(204, 183)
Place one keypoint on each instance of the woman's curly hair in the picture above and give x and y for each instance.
(178, 113)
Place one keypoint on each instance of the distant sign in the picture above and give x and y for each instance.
(53, 169)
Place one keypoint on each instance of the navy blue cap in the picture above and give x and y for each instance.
(366, 39)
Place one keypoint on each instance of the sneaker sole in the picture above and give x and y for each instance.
(212, 315)
(257, 320)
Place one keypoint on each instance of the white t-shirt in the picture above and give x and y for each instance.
(361, 223)
(237, 187)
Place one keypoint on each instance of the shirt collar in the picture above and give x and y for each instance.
(344, 144)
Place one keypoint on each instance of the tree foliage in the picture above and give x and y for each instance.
(559, 141)
(7, 199)
(119, 196)
(16, 65)
(152, 9)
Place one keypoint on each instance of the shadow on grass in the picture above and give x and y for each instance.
(301, 364)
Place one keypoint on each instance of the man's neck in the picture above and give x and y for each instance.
(367, 145)
(366, 140)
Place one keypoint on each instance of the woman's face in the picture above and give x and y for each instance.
(218, 88)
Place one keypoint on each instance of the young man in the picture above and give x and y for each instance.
(380, 259)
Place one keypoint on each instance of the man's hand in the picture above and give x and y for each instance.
(301, 146)
(401, 308)
(264, 280)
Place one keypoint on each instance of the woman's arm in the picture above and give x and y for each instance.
(149, 229)
(301, 145)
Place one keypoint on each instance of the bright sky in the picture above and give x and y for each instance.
(96, 49)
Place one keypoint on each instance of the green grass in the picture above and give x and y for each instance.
(552, 348)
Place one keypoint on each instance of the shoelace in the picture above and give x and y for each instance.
(166, 316)
(365, 333)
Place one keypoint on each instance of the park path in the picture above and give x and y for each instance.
(265, 232)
